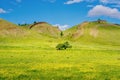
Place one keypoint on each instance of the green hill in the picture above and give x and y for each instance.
(40, 29)
(39, 32)
(94, 32)
(45, 29)
(29, 53)
(9, 29)
(7, 25)
(87, 32)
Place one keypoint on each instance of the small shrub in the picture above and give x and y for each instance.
(63, 46)
(61, 34)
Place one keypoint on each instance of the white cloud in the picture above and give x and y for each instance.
(101, 1)
(110, 1)
(101, 10)
(77, 1)
(62, 27)
(104, 1)
(2, 11)
(73, 1)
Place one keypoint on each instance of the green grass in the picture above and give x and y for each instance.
(28, 55)
(39, 60)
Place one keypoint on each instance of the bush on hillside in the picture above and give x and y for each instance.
(61, 34)
(63, 46)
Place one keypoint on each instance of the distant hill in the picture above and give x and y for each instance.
(7, 25)
(46, 29)
(95, 32)
(9, 29)
(100, 32)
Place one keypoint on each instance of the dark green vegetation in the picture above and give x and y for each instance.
(30, 54)
(63, 46)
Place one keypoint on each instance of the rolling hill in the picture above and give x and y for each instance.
(8, 29)
(29, 53)
(45, 28)
(95, 32)
(87, 32)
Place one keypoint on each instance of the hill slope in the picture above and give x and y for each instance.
(41, 29)
(45, 29)
(87, 32)
(94, 32)
(10, 29)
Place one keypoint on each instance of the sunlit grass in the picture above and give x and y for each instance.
(33, 56)
(39, 60)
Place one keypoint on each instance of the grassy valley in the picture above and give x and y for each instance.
(30, 54)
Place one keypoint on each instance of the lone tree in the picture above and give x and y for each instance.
(63, 46)
(99, 20)
(35, 22)
(19, 24)
(61, 34)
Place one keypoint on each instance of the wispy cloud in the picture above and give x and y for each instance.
(100, 1)
(73, 1)
(77, 1)
(2, 11)
(100, 10)
(16, 3)
(110, 1)
(62, 27)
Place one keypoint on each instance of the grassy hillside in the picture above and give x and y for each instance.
(46, 29)
(95, 53)
(94, 32)
(9, 29)
(10, 32)
(7, 25)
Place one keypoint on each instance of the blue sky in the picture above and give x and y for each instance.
(64, 13)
